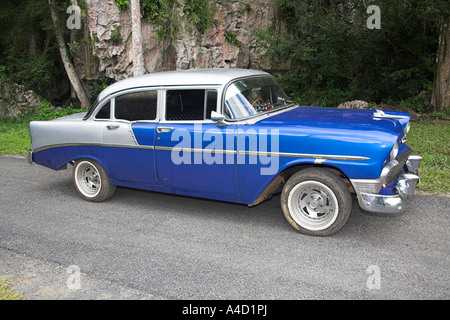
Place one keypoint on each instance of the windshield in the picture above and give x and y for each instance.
(248, 97)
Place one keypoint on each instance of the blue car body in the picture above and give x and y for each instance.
(245, 159)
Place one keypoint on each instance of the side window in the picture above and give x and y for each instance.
(105, 112)
(190, 104)
(211, 103)
(136, 106)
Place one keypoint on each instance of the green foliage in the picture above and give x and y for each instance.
(122, 4)
(6, 293)
(415, 103)
(3, 76)
(335, 57)
(116, 36)
(443, 115)
(161, 14)
(200, 12)
(99, 85)
(34, 72)
(47, 112)
(72, 46)
(246, 6)
(431, 140)
(29, 52)
(232, 38)
(14, 134)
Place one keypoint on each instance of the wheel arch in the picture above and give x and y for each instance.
(277, 183)
(59, 156)
(72, 161)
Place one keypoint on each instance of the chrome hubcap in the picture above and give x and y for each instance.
(88, 179)
(313, 205)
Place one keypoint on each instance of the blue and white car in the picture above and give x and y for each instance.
(233, 135)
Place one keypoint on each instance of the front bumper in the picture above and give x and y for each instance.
(405, 187)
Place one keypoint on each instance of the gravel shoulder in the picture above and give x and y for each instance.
(37, 279)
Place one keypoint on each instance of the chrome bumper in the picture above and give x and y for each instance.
(405, 187)
(30, 157)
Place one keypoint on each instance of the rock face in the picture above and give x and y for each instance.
(15, 101)
(355, 104)
(109, 30)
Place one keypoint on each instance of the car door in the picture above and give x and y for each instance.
(193, 155)
(128, 136)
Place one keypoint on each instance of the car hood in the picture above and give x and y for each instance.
(388, 121)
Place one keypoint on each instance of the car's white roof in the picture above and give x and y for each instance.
(180, 78)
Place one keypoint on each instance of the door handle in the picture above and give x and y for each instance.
(112, 126)
(164, 129)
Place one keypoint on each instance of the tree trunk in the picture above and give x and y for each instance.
(441, 87)
(70, 70)
(138, 56)
(73, 35)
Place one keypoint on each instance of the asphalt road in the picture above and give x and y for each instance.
(144, 245)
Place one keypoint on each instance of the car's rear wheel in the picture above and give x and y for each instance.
(91, 181)
(316, 201)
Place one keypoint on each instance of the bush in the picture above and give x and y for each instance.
(47, 112)
(334, 57)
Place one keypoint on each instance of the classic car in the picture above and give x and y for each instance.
(233, 135)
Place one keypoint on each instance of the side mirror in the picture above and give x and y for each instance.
(219, 119)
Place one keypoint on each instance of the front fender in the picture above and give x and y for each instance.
(357, 153)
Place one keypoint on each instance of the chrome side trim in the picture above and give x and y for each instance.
(177, 149)
(302, 155)
(91, 145)
(320, 157)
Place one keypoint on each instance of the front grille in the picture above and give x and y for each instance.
(397, 170)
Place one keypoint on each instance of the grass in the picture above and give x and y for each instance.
(6, 293)
(429, 138)
(14, 136)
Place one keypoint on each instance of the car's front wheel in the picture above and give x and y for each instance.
(316, 201)
(91, 181)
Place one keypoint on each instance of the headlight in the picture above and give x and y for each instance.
(394, 152)
(408, 126)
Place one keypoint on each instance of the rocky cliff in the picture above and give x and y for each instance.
(229, 41)
(16, 101)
